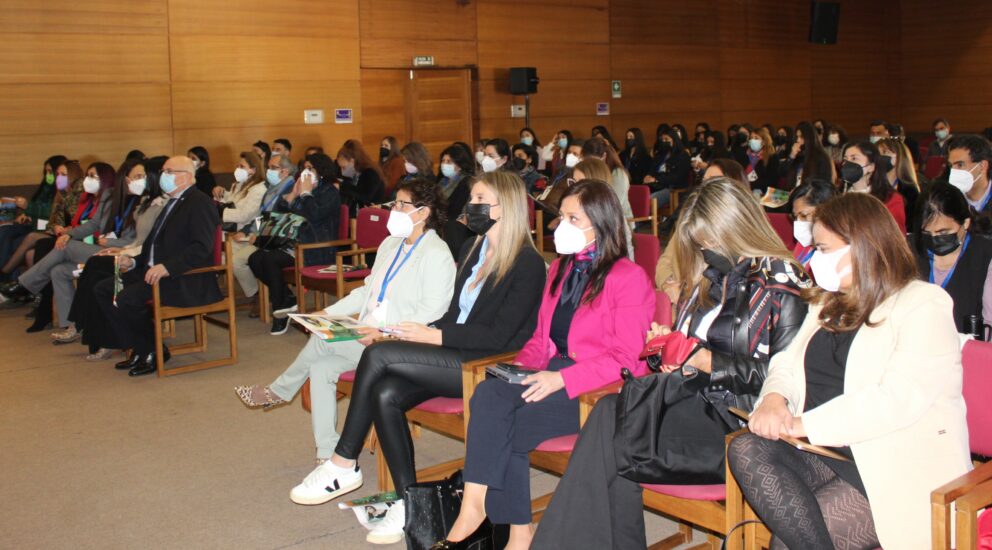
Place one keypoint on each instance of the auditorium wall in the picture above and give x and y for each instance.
(94, 79)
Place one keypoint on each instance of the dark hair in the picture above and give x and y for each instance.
(119, 197)
(537, 140)
(978, 147)
(835, 129)
(461, 156)
(813, 191)
(285, 143)
(315, 149)
(942, 198)
(599, 148)
(568, 135)
(427, 193)
(606, 135)
(705, 125)
(45, 192)
(661, 129)
(602, 207)
(265, 149)
(153, 170)
(817, 159)
(677, 145)
(640, 148)
(352, 149)
(201, 153)
(881, 261)
(529, 151)
(939, 120)
(878, 122)
(135, 154)
(719, 149)
(106, 174)
(683, 133)
(878, 183)
(327, 170)
(731, 169)
(502, 147)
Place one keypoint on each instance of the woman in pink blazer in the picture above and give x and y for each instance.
(595, 311)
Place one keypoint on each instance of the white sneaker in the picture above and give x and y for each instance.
(326, 482)
(284, 312)
(390, 529)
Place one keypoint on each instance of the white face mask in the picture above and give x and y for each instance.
(803, 232)
(348, 171)
(136, 187)
(479, 156)
(410, 168)
(874, 139)
(834, 139)
(824, 268)
(570, 239)
(91, 185)
(489, 164)
(400, 224)
(571, 160)
(240, 175)
(962, 179)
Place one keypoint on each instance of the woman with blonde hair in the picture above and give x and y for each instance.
(739, 303)
(493, 309)
(901, 174)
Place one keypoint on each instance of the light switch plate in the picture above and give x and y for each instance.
(518, 111)
(313, 116)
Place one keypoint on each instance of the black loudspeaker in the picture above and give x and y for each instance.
(823, 20)
(523, 80)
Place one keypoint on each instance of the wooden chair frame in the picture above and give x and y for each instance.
(200, 315)
(653, 216)
(969, 494)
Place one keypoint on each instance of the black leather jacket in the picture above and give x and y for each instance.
(742, 339)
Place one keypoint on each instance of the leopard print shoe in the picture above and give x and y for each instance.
(254, 396)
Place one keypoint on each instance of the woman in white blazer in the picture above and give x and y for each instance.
(875, 374)
(411, 280)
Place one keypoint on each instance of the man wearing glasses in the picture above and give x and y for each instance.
(181, 240)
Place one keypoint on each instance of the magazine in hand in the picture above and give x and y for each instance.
(370, 510)
(329, 327)
(514, 374)
(800, 443)
(775, 198)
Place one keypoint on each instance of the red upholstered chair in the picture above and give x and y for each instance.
(644, 208)
(924, 143)
(934, 167)
(369, 232)
(647, 250)
(783, 226)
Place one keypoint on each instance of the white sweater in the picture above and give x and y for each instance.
(246, 206)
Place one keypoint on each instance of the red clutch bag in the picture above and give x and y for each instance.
(669, 349)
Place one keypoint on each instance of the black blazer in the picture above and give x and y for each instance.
(364, 189)
(504, 315)
(767, 172)
(638, 166)
(967, 283)
(676, 174)
(322, 210)
(186, 242)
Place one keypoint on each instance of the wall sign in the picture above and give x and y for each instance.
(615, 89)
(603, 109)
(342, 116)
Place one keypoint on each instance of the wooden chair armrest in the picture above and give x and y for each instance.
(588, 400)
(951, 491)
(474, 372)
(211, 269)
(356, 252)
(960, 491)
(324, 244)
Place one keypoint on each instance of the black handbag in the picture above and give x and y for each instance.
(431, 510)
(278, 230)
(670, 429)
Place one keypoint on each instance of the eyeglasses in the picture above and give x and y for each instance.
(401, 205)
(171, 171)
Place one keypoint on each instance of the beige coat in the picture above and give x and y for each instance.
(901, 413)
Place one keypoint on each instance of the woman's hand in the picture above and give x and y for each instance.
(772, 418)
(218, 192)
(416, 332)
(702, 360)
(649, 179)
(57, 230)
(542, 384)
(21, 203)
(102, 241)
(112, 251)
(369, 335)
(22, 219)
(656, 331)
(795, 150)
(62, 241)
(306, 183)
(797, 429)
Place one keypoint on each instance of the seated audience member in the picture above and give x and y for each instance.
(595, 310)
(619, 178)
(594, 168)
(493, 309)
(392, 164)
(942, 133)
(804, 201)
(243, 202)
(807, 159)
(29, 212)
(140, 179)
(533, 180)
(901, 174)
(282, 147)
(313, 150)
(411, 280)
(784, 137)
(912, 146)
(683, 135)
(136, 154)
(670, 169)
(635, 157)
(181, 239)
(874, 374)
(820, 126)
(92, 206)
(834, 146)
(529, 137)
(497, 154)
(603, 133)
(699, 138)
(243, 246)
(554, 153)
(314, 198)
(205, 180)
(878, 130)
(716, 148)
(457, 173)
(760, 162)
(740, 297)
(417, 161)
(861, 174)
(362, 179)
(263, 151)
(969, 157)
(951, 251)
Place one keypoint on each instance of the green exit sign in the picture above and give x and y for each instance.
(615, 88)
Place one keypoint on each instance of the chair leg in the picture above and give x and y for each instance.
(682, 537)
(264, 315)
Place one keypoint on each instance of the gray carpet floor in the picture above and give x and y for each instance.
(90, 458)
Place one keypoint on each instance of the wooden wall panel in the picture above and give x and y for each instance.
(559, 25)
(576, 60)
(384, 93)
(253, 18)
(42, 109)
(393, 31)
(22, 157)
(287, 59)
(78, 58)
(92, 17)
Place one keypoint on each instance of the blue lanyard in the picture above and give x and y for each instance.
(268, 206)
(950, 273)
(119, 220)
(988, 195)
(390, 273)
(804, 259)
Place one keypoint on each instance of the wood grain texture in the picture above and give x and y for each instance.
(286, 18)
(78, 58)
(96, 17)
(288, 59)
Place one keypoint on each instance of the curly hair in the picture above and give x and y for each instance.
(427, 193)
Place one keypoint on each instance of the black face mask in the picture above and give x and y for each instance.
(717, 261)
(779, 140)
(477, 217)
(631, 143)
(941, 245)
(664, 148)
(383, 153)
(851, 171)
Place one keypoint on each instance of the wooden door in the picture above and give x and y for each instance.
(432, 106)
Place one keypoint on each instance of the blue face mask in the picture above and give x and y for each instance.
(563, 144)
(168, 183)
(527, 140)
(272, 176)
(448, 170)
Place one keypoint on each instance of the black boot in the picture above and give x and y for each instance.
(16, 292)
(43, 317)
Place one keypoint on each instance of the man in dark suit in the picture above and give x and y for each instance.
(181, 240)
